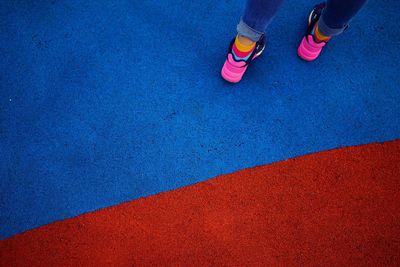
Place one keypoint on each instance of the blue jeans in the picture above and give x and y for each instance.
(259, 13)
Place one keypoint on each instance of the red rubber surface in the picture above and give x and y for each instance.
(335, 208)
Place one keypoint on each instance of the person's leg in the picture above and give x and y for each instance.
(257, 16)
(249, 42)
(337, 15)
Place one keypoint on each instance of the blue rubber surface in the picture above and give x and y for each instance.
(103, 102)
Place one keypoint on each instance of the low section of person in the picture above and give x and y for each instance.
(326, 20)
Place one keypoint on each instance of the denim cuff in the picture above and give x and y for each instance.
(328, 31)
(247, 31)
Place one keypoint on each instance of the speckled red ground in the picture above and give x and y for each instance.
(334, 208)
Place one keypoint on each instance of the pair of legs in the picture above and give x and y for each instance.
(326, 20)
(259, 13)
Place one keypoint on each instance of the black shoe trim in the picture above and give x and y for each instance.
(260, 45)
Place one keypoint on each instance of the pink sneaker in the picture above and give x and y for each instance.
(309, 49)
(233, 69)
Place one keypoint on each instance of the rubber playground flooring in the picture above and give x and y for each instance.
(121, 145)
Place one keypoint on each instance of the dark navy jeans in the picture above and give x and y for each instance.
(259, 13)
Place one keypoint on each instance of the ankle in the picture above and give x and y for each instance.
(320, 36)
(245, 41)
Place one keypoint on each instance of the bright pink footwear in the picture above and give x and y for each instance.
(233, 69)
(309, 49)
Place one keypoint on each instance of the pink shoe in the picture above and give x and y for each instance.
(309, 49)
(233, 69)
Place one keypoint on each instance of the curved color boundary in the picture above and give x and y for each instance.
(339, 207)
(103, 102)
